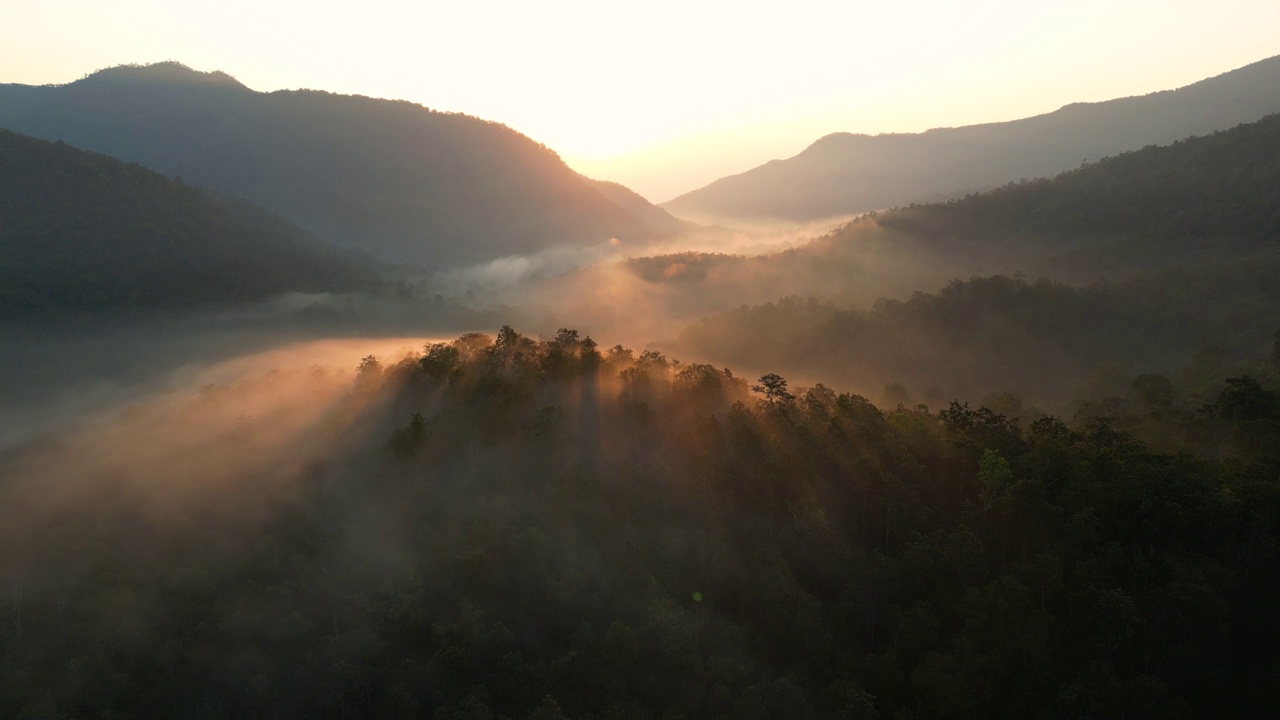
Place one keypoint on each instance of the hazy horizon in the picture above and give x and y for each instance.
(316, 403)
(666, 98)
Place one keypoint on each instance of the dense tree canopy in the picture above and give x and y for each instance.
(503, 527)
(995, 334)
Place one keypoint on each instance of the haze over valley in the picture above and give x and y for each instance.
(323, 404)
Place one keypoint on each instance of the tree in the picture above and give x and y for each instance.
(440, 360)
(368, 371)
(409, 439)
(774, 389)
(994, 480)
(566, 337)
(1244, 399)
(590, 353)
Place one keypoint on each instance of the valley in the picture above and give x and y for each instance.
(326, 405)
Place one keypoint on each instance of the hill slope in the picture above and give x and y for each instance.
(987, 335)
(390, 177)
(82, 231)
(1197, 221)
(846, 173)
(1203, 197)
(513, 529)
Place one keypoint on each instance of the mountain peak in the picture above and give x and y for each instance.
(167, 72)
(388, 177)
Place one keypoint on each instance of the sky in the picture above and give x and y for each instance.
(667, 96)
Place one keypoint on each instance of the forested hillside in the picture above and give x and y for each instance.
(391, 178)
(87, 233)
(510, 528)
(1198, 218)
(988, 335)
(1220, 193)
(845, 173)
(1170, 250)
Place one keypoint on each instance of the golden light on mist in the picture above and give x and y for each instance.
(258, 419)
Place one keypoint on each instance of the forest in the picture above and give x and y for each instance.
(1141, 262)
(990, 335)
(1198, 197)
(999, 449)
(506, 527)
(1168, 250)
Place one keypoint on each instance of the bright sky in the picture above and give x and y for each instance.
(667, 96)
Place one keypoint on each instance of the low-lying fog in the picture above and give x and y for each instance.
(638, 295)
(642, 294)
(251, 423)
(70, 381)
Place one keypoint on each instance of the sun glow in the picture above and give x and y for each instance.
(665, 96)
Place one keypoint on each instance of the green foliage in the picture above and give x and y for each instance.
(995, 478)
(973, 338)
(1143, 259)
(531, 544)
(440, 360)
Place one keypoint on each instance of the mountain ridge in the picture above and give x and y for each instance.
(842, 173)
(1143, 259)
(393, 178)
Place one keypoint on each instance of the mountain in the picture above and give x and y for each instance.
(1211, 197)
(85, 232)
(634, 203)
(1202, 197)
(846, 173)
(1184, 236)
(1206, 204)
(392, 178)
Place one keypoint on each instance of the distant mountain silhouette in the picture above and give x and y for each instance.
(84, 232)
(846, 173)
(1202, 198)
(1186, 237)
(1202, 214)
(389, 177)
